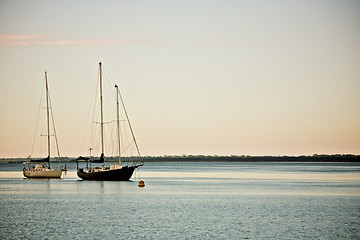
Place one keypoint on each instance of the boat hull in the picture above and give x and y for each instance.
(123, 174)
(46, 173)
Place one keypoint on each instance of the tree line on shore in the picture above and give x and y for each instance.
(215, 158)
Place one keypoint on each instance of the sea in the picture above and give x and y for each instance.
(187, 200)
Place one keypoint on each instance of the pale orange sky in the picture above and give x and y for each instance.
(204, 77)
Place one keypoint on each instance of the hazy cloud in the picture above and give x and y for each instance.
(44, 40)
(21, 40)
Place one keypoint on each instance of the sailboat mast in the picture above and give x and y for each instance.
(118, 121)
(102, 118)
(47, 117)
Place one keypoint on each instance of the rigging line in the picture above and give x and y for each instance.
(110, 83)
(53, 123)
(129, 140)
(127, 117)
(127, 147)
(38, 117)
(96, 142)
(94, 91)
(109, 139)
(95, 131)
(114, 139)
(110, 78)
(108, 110)
(109, 104)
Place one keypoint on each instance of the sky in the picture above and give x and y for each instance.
(197, 77)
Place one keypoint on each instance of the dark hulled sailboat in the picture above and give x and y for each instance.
(114, 172)
(107, 173)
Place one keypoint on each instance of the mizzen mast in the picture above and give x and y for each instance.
(118, 121)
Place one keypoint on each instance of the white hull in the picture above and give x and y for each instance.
(43, 173)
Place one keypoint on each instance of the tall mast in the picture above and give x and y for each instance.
(48, 119)
(102, 118)
(118, 120)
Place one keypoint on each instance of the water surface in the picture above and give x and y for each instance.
(187, 201)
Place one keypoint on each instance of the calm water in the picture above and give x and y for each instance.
(187, 201)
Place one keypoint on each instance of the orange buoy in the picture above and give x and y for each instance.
(141, 183)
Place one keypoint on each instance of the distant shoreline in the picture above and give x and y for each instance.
(233, 158)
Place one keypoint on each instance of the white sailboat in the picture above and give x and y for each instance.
(41, 168)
